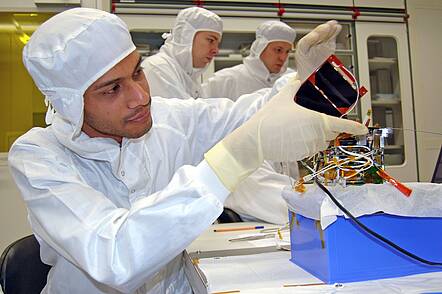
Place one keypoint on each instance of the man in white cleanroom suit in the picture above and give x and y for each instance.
(266, 63)
(121, 183)
(185, 55)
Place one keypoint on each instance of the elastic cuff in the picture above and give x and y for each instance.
(225, 166)
(207, 176)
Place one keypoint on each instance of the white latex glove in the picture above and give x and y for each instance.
(315, 47)
(281, 131)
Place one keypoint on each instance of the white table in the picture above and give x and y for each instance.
(259, 267)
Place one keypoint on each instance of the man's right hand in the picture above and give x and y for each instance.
(281, 131)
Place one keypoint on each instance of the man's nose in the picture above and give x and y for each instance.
(215, 49)
(283, 56)
(137, 95)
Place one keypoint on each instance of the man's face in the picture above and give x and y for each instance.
(117, 105)
(204, 48)
(275, 55)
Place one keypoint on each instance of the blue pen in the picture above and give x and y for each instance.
(239, 229)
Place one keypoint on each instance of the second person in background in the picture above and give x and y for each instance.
(267, 61)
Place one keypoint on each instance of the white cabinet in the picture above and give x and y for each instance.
(296, 2)
(380, 3)
(425, 23)
(384, 68)
(346, 3)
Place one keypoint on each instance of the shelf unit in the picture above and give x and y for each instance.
(382, 50)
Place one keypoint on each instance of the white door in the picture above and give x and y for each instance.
(384, 68)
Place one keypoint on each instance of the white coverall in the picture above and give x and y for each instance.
(252, 74)
(118, 215)
(170, 75)
(114, 218)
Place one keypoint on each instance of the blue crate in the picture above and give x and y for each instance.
(345, 253)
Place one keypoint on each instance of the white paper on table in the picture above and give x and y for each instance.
(267, 273)
(421, 283)
(253, 271)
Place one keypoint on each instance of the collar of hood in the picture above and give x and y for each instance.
(82, 144)
(99, 148)
(257, 68)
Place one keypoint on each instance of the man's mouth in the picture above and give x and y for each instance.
(141, 115)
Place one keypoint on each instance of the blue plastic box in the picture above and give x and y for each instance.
(345, 253)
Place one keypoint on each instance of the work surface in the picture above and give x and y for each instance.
(259, 267)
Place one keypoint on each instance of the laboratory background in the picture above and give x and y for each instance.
(393, 48)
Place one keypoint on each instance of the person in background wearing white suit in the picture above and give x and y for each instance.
(267, 61)
(257, 197)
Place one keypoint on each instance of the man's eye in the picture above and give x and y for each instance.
(138, 73)
(113, 89)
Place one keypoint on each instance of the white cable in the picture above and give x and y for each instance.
(367, 164)
(333, 165)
